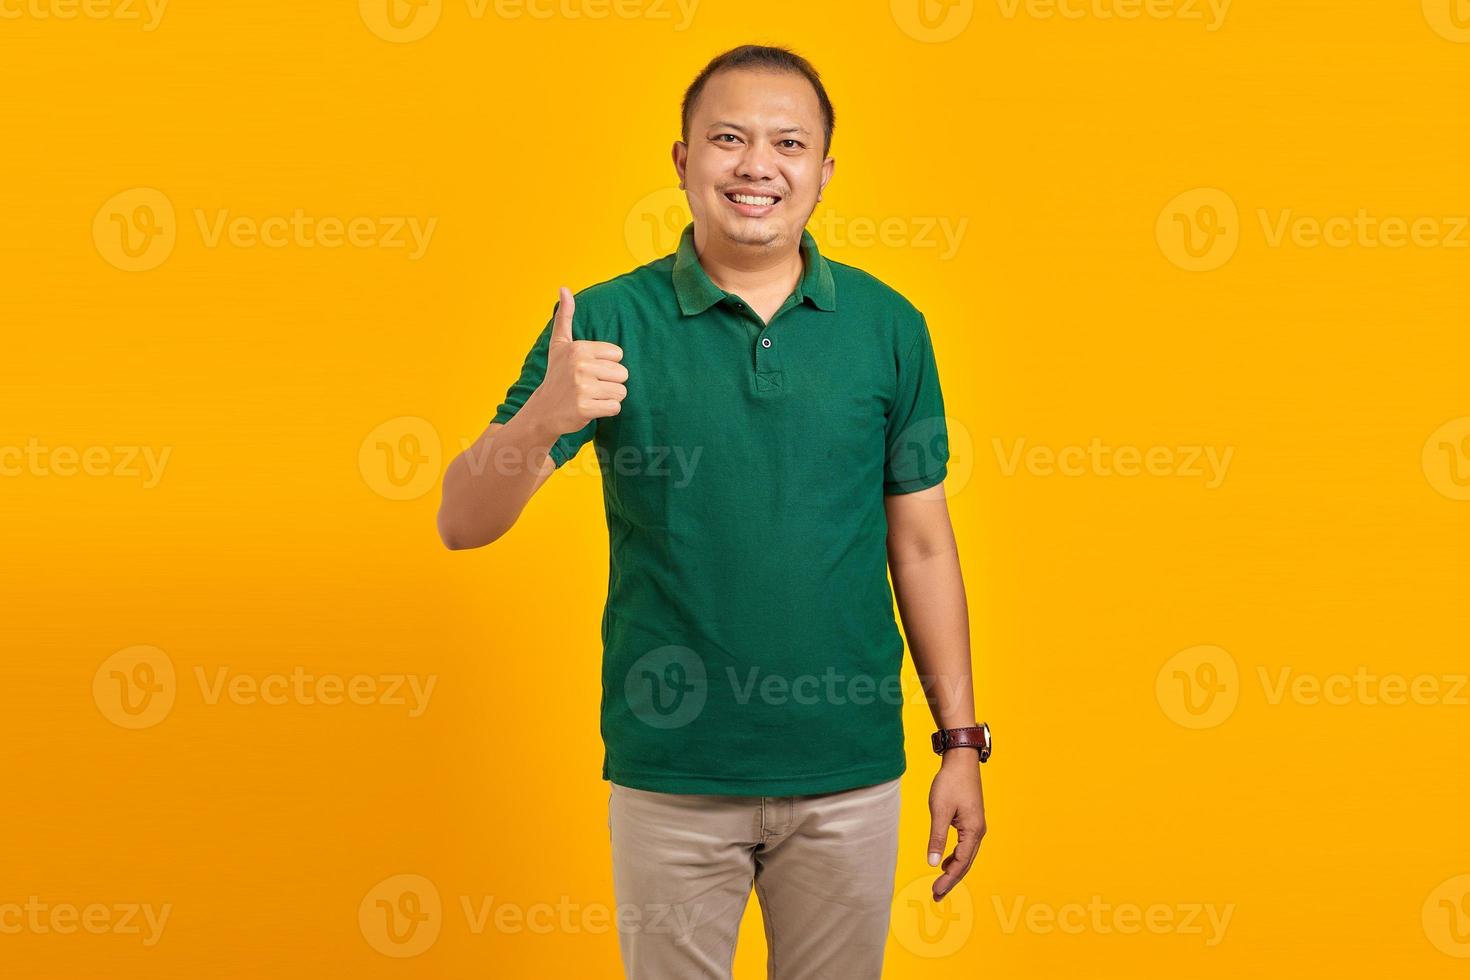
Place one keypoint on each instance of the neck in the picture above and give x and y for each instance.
(750, 270)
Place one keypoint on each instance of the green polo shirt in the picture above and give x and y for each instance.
(749, 639)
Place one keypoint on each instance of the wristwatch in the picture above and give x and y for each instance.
(949, 738)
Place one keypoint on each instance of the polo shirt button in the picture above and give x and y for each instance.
(765, 341)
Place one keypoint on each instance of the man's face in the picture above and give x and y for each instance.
(757, 132)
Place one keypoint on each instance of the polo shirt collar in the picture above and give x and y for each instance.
(697, 292)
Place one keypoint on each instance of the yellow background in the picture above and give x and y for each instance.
(1335, 543)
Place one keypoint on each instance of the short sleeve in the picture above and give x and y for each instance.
(917, 436)
(533, 369)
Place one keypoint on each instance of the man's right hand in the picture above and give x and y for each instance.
(583, 380)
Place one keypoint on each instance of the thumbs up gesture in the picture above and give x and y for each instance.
(584, 378)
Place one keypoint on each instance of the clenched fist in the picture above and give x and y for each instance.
(583, 380)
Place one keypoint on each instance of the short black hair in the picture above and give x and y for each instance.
(759, 57)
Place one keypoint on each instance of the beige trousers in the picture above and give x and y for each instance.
(822, 866)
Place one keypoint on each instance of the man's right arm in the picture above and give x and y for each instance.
(487, 486)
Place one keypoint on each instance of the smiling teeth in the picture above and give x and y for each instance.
(758, 201)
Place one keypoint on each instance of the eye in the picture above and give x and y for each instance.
(796, 142)
(718, 136)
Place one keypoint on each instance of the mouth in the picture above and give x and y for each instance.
(753, 205)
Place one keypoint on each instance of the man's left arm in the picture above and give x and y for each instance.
(925, 564)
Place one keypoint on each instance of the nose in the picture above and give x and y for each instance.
(757, 162)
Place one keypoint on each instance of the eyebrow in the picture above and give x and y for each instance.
(730, 125)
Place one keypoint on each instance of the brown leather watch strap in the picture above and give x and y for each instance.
(977, 737)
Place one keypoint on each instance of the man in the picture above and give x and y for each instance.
(770, 430)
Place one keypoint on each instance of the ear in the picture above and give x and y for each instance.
(681, 155)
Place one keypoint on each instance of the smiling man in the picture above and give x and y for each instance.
(751, 710)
